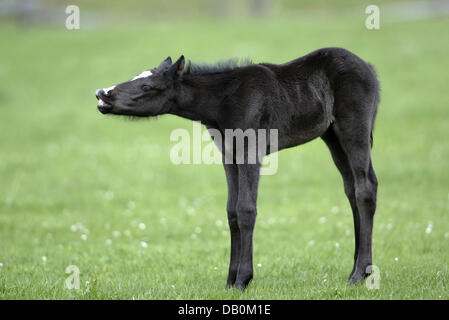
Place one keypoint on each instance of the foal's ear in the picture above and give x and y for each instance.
(177, 68)
(165, 64)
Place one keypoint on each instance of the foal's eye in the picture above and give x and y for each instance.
(146, 88)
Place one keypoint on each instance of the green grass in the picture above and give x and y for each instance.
(63, 163)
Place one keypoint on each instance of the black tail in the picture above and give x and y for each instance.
(376, 101)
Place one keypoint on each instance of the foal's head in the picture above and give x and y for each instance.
(147, 94)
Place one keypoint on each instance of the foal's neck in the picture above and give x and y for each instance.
(200, 97)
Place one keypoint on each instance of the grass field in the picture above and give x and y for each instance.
(79, 188)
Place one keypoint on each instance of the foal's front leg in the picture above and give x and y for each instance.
(232, 178)
(246, 218)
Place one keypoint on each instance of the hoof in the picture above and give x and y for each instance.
(240, 286)
(229, 286)
(356, 278)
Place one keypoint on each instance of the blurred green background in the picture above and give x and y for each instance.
(99, 192)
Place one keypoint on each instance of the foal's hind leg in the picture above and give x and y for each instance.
(354, 137)
(342, 163)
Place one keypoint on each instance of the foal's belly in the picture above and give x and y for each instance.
(310, 112)
(306, 126)
(298, 138)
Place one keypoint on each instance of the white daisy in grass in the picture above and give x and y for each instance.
(108, 242)
(190, 211)
(84, 237)
(142, 226)
(144, 244)
(44, 259)
(429, 227)
(323, 220)
(335, 210)
(131, 205)
(259, 265)
(337, 245)
(1, 264)
(108, 195)
(219, 223)
(79, 227)
(198, 230)
(116, 233)
(396, 259)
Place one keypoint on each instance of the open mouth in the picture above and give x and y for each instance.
(102, 103)
(103, 106)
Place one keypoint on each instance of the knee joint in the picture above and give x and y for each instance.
(367, 196)
(246, 215)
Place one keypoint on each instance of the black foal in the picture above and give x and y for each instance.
(329, 93)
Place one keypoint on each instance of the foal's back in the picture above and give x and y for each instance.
(317, 88)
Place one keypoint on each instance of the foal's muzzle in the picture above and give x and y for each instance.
(104, 106)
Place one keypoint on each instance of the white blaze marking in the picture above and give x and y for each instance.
(106, 90)
(144, 74)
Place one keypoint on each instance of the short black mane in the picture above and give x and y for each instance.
(193, 68)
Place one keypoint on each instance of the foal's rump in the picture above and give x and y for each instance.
(304, 97)
(352, 82)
